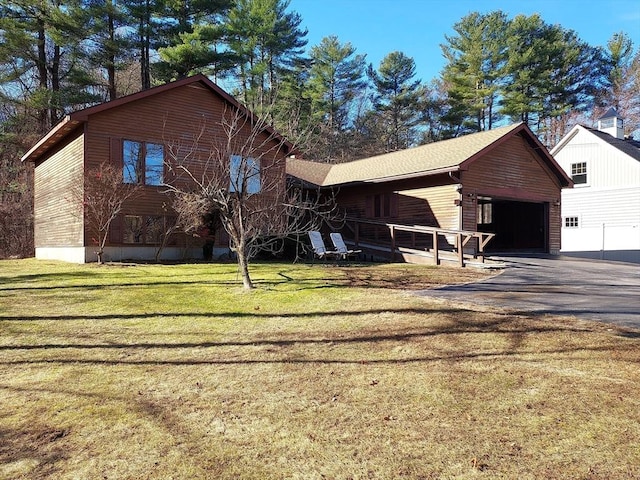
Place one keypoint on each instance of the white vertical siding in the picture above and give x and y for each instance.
(607, 206)
(606, 165)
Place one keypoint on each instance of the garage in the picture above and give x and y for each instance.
(500, 181)
(519, 226)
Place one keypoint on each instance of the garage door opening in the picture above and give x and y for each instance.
(519, 226)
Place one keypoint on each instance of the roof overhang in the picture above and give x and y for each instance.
(408, 176)
(55, 135)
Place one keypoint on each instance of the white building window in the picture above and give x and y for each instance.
(579, 172)
(571, 222)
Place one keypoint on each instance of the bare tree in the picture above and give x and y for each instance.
(234, 170)
(101, 199)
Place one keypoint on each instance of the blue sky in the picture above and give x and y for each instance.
(417, 27)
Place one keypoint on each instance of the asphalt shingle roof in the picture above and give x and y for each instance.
(443, 156)
(628, 146)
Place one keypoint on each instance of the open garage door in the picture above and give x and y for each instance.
(519, 226)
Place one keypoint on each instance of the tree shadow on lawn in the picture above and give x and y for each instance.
(504, 325)
(310, 284)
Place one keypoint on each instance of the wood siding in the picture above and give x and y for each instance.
(175, 119)
(57, 216)
(512, 171)
(431, 206)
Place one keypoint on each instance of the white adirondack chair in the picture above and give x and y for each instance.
(341, 247)
(319, 248)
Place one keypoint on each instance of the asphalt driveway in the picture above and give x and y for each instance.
(588, 289)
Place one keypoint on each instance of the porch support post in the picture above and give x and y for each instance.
(436, 259)
(393, 243)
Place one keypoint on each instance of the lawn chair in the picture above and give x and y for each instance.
(319, 249)
(341, 247)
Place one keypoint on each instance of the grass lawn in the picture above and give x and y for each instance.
(172, 372)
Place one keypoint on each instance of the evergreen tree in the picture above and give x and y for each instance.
(267, 42)
(620, 87)
(435, 108)
(336, 80)
(193, 33)
(144, 15)
(475, 55)
(110, 50)
(396, 100)
(42, 56)
(548, 73)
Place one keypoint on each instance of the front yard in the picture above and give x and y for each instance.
(158, 372)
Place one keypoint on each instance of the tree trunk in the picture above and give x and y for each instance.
(42, 74)
(243, 265)
(111, 63)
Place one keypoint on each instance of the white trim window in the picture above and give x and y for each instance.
(244, 175)
(579, 173)
(571, 222)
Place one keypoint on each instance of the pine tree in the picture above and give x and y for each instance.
(620, 87)
(397, 100)
(475, 55)
(336, 80)
(111, 51)
(42, 56)
(267, 42)
(193, 34)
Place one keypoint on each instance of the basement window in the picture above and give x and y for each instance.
(132, 229)
(579, 172)
(571, 222)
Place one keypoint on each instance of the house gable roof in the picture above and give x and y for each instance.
(72, 121)
(627, 146)
(451, 155)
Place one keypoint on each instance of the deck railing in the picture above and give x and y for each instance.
(420, 237)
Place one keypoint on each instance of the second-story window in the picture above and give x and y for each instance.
(244, 175)
(579, 172)
(143, 162)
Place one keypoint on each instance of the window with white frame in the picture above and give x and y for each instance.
(571, 222)
(142, 162)
(579, 172)
(244, 173)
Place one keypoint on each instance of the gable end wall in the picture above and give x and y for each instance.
(171, 118)
(512, 171)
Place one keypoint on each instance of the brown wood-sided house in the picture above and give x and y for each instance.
(500, 181)
(135, 128)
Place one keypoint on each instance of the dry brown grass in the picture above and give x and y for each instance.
(303, 379)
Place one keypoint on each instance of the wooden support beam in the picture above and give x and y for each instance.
(436, 258)
(393, 243)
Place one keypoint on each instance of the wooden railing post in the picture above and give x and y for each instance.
(461, 238)
(393, 243)
(436, 259)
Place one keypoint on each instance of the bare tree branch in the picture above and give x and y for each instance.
(234, 169)
(100, 199)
